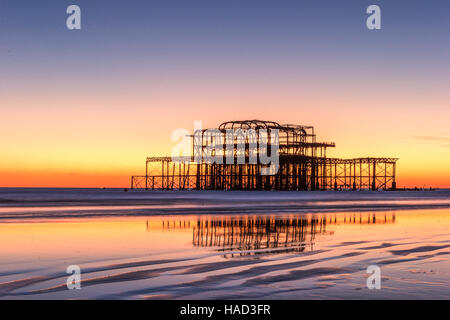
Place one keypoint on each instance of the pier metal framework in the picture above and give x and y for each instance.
(303, 163)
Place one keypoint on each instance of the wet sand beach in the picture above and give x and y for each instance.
(267, 246)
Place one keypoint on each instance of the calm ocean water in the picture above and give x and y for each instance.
(39, 203)
(223, 245)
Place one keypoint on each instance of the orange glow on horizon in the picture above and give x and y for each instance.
(103, 142)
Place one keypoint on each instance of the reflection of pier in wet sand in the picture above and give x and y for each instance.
(265, 234)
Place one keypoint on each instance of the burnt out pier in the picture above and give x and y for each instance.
(302, 162)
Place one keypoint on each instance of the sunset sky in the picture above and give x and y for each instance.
(83, 108)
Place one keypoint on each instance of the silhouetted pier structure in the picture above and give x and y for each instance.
(303, 164)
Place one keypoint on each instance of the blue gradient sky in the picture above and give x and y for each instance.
(139, 69)
(170, 40)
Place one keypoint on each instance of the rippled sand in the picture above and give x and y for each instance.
(261, 256)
